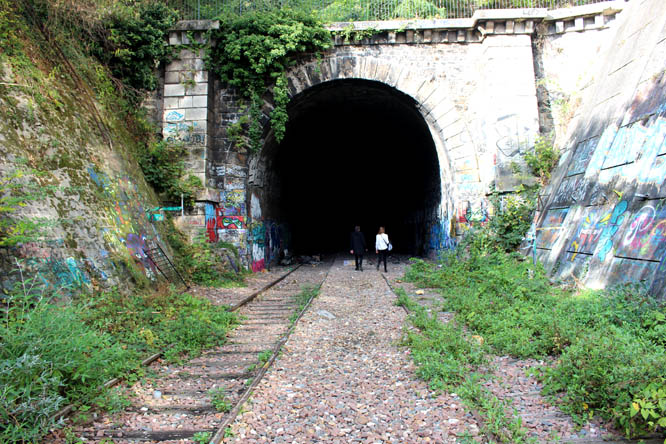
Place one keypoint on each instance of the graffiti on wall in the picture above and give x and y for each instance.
(624, 271)
(626, 144)
(233, 202)
(658, 287)
(127, 225)
(645, 235)
(441, 235)
(258, 241)
(581, 157)
(596, 231)
(571, 190)
(551, 228)
(477, 213)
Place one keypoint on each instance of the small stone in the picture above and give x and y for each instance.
(157, 394)
(453, 421)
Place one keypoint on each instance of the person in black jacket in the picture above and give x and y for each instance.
(358, 247)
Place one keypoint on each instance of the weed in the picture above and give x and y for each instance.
(308, 292)
(219, 399)
(202, 437)
(229, 432)
(265, 355)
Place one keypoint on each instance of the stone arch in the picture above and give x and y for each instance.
(433, 102)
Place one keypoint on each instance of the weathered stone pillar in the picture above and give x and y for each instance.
(186, 113)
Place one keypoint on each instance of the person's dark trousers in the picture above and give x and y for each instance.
(381, 256)
(359, 261)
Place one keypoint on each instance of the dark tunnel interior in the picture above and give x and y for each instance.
(355, 153)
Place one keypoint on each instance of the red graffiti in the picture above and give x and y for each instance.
(258, 265)
(211, 226)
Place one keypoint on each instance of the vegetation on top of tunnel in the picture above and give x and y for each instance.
(252, 53)
(354, 10)
(610, 348)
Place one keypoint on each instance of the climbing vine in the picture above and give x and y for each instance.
(253, 52)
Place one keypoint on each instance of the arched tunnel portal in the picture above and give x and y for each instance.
(355, 152)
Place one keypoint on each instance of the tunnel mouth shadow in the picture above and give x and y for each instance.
(355, 152)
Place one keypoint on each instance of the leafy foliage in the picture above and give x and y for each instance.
(448, 359)
(253, 51)
(151, 322)
(609, 343)
(220, 400)
(49, 356)
(136, 42)
(16, 190)
(201, 261)
(543, 159)
(512, 217)
(163, 166)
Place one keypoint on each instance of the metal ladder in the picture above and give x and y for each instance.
(163, 264)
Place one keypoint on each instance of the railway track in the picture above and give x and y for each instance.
(198, 400)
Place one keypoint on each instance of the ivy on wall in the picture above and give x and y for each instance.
(252, 53)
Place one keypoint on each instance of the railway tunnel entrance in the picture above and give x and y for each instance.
(355, 152)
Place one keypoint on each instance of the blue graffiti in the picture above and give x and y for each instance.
(616, 219)
(439, 238)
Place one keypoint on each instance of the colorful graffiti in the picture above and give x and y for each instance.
(470, 215)
(439, 236)
(596, 229)
(258, 241)
(551, 228)
(136, 245)
(611, 223)
(216, 221)
(645, 235)
(233, 202)
(126, 224)
(211, 222)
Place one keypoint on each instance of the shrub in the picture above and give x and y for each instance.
(50, 357)
(163, 166)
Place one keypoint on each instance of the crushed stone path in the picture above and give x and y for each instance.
(343, 378)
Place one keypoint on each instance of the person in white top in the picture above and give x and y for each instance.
(382, 247)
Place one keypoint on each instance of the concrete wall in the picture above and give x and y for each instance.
(604, 218)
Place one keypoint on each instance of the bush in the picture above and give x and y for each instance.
(163, 166)
(50, 357)
(156, 321)
(201, 261)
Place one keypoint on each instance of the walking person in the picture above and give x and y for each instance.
(358, 247)
(382, 245)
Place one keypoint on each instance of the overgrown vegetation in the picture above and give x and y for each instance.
(252, 53)
(354, 10)
(202, 261)
(610, 346)
(55, 353)
(307, 293)
(164, 168)
(543, 159)
(449, 360)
